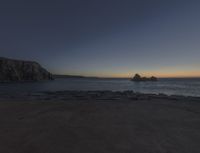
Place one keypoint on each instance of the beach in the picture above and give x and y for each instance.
(99, 122)
(99, 76)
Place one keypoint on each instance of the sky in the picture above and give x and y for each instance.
(106, 38)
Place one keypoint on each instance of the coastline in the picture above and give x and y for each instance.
(99, 121)
(91, 95)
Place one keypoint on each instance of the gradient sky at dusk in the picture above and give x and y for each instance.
(104, 37)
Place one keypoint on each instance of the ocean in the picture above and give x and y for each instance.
(169, 86)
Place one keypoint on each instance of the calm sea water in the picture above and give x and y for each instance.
(187, 87)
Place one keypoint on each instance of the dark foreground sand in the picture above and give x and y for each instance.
(99, 122)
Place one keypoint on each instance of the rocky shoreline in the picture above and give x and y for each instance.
(95, 95)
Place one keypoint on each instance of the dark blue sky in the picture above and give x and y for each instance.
(104, 37)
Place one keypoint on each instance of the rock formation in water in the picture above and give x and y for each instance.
(18, 70)
(138, 78)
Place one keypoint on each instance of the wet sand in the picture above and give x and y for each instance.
(99, 122)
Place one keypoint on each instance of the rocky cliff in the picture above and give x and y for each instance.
(18, 70)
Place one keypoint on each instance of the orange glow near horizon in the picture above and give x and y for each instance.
(174, 73)
(159, 74)
(164, 72)
(177, 74)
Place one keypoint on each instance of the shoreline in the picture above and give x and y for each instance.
(95, 94)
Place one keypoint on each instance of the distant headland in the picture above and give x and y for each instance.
(138, 78)
(12, 70)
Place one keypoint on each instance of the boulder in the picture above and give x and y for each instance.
(19, 70)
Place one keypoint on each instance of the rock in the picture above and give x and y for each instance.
(153, 78)
(18, 70)
(138, 78)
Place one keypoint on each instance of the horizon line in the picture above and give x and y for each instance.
(118, 77)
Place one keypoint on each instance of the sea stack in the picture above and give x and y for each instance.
(19, 70)
(138, 78)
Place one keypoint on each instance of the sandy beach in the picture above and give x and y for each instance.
(99, 122)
